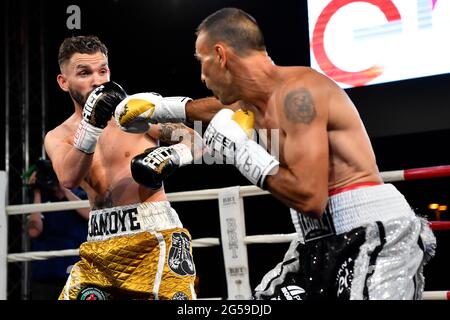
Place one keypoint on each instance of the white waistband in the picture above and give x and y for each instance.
(129, 219)
(355, 208)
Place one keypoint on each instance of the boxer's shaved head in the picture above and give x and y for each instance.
(235, 28)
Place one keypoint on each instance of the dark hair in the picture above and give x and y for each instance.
(80, 44)
(234, 27)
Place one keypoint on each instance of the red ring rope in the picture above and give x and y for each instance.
(427, 173)
(439, 225)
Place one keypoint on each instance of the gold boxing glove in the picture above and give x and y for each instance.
(138, 111)
(246, 120)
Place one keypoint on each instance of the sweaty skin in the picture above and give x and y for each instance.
(322, 142)
(104, 175)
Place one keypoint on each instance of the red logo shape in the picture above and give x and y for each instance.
(359, 78)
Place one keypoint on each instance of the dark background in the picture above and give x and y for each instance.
(151, 47)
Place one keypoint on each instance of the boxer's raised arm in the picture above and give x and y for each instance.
(72, 155)
(70, 164)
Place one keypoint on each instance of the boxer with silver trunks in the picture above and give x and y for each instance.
(369, 244)
(358, 238)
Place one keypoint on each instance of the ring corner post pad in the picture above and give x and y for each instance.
(232, 229)
(3, 236)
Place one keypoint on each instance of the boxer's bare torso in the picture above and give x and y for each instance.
(109, 182)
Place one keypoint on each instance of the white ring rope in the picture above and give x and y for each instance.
(41, 255)
(46, 207)
(196, 243)
(212, 194)
(196, 195)
(436, 295)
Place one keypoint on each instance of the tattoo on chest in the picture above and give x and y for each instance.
(299, 106)
(105, 201)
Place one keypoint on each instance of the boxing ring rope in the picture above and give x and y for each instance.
(196, 243)
(416, 174)
(197, 195)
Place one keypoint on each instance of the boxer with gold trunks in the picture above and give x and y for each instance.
(137, 247)
(134, 252)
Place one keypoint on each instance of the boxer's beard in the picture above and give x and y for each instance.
(77, 96)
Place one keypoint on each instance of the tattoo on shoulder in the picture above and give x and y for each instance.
(299, 106)
(171, 132)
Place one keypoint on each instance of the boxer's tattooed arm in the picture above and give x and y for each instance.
(299, 106)
(171, 133)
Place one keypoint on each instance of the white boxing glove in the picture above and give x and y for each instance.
(138, 111)
(228, 135)
(255, 163)
(223, 135)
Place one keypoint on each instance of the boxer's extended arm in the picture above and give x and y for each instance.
(72, 156)
(172, 133)
(154, 165)
(137, 112)
(302, 181)
(205, 109)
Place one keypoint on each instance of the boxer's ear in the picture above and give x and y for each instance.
(221, 54)
(62, 81)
